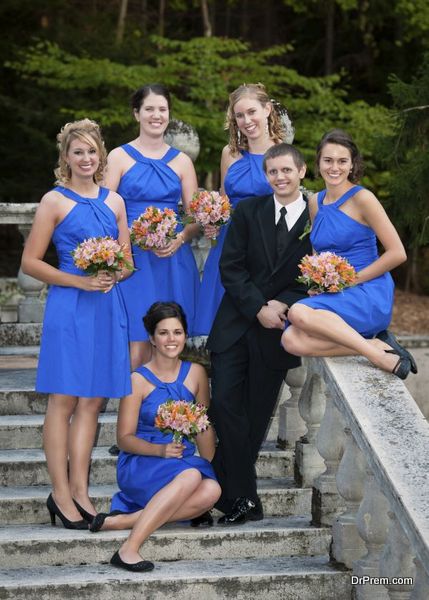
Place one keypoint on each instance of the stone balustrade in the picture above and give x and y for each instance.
(366, 455)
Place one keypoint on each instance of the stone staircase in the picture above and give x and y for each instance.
(281, 557)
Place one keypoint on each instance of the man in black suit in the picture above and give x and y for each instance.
(259, 267)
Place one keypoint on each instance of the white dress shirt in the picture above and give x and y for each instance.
(294, 210)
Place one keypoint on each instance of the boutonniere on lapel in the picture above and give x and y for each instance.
(307, 230)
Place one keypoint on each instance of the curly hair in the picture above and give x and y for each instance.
(238, 141)
(342, 138)
(86, 131)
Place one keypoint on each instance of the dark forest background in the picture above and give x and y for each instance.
(358, 64)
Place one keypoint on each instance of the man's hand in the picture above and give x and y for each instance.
(270, 318)
(278, 306)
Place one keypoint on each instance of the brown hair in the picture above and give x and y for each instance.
(342, 138)
(86, 131)
(284, 149)
(238, 141)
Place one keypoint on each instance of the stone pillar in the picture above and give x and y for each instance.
(347, 545)
(372, 523)
(327, 502)
(31, 307)
(291, 424)
(308, 462)
(421, 583)
(275, 424)
(397, 560)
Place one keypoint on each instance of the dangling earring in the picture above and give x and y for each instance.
(267, 127)
(238, 136)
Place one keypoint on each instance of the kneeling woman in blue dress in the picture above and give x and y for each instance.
(347, 220)
(84, 347)
(159, 480)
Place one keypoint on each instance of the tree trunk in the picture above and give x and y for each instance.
(329, 36)
(121, 22)
(143, 19)
(206, 18)
(161, 19)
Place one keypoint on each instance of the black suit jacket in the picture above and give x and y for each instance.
(252, 274)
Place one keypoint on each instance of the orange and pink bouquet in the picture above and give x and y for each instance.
(326, 272)
(154, 228)
(101, 254)
(182, 419)
(209, 208)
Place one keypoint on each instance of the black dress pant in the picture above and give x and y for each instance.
(244, 394)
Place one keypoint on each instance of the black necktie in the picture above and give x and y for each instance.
(281, 232)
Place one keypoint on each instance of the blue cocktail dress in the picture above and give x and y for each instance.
(366, 307)
(139, 476)
(151, 182)
(244, 179)
(84, 345)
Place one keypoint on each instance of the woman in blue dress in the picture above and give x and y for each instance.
(148, 172)
(347, 220)
(254, 125)
(84, 347)
(159, 480)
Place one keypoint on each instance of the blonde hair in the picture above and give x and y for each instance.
(238, 141)
(86, 131)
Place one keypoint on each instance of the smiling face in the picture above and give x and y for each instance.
(335, 164)
(83, 158)
(153, 115)
(251, 117)
(169, 337)
(284, 177)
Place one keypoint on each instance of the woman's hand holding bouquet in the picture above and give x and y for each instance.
(211, 211)
(326, 272)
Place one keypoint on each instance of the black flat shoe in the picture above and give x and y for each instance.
(388, 337)
(98, 521)
(139, 567)
(402, 368)
(54, 511)
(204, 520)
(243, 510)
(84, 513)
(114, 450)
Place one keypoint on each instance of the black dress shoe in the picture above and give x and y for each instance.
(204, 520)
(388, 338)
(244, 509)
(402, 368)
(139, 567)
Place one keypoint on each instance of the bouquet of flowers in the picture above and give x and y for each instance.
(326, 272)
(101, 254)
(182, 419)
(209, 208)
(154, 228)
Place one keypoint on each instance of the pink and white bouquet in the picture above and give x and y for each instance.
(182, 419)
(101, 254)
(209, 208)
(326, 272)
(154, 228)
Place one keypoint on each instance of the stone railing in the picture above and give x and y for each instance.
(365, 453)
(30, 306)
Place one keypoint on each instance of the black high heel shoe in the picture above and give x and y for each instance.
(55, 511)
(402, 368)
(84, 513)
(388, 338)
(98, 521)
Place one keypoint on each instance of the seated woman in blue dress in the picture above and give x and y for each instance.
(84, 347)
(347, 220)
(159, 480)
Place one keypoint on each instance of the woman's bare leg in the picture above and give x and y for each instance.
(140, 354)
(55, 444)
(81, 441)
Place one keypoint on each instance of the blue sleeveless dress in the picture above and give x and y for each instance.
(139, 476)
(244, 179)
(151, 182)
(366, 307)
(84, 345)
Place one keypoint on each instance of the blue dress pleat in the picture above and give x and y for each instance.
(139, 476)
(152, 182)
(244, 179)
(366, 307)
(84, 344)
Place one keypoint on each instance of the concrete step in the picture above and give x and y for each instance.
(20, 334)
(36, 545)
(299, 578)
(28, 466)
(23, 505)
